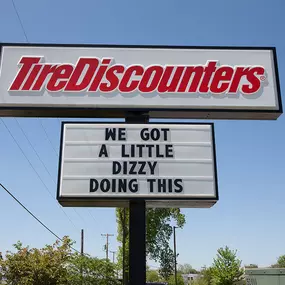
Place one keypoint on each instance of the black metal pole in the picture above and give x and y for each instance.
(137, 243)
(175, 262)
(137, 254)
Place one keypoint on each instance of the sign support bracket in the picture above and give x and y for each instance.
(137, 250)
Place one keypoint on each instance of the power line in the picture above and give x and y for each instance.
(27, 138)
(25, 34)
(31, 145)
(91, 215)
(20, 21)
(56, 153)
(47, 136)
(31, 165)
(38, 220)
(78, 215)
(7, 128)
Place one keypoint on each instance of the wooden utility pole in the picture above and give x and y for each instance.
(107, 243)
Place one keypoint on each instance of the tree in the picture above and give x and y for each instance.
(56, 265)
(89, 270)
(207, 275)
(123, 237)
(280, 262)
(46, 266)
(226, 268)
(180, 280)
(152, 276)
(167, 263)
(186, 269)
(251, 266)
(200, 281)
(158, 234)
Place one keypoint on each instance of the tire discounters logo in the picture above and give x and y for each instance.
(92, 74)
(162, 81)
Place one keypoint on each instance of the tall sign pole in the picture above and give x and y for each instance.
(137, 245)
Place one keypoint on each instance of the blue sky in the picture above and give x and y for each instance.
(250, 214)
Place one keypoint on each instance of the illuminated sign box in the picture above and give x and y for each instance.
(167, 165)
(166, 82)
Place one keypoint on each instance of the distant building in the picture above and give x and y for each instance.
(189, 278)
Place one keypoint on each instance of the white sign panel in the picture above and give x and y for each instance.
(109, 164)
(97, 81)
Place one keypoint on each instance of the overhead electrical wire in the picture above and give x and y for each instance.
(25, 34)
(35, 151)
(56, 153)
(60, 122)
(42, 162)
(19, 19)
(92, 215)
(37, 219)
(26, 37)
(38, 175)
(47, 136)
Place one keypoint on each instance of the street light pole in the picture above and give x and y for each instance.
(113, 252)
(175, 262)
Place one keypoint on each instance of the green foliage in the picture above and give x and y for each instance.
(186, 269)
(158, 234)
(159, 230)
(200, 281)
(123, 227)
(281, 261)
(251, 266)
(180, 280)
(207, 276)
(226, 268)
(91, 271)
(45, 266)
(56, 265)
(152, 276)
(167, 263)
